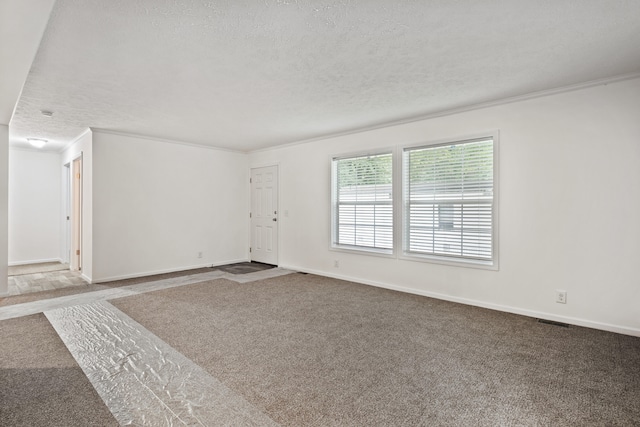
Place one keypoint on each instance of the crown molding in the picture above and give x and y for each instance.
(449, 112)
(167, 141)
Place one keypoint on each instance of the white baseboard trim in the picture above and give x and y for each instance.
(34, 261)
(169, 270)
(86, 279)
(498, 307)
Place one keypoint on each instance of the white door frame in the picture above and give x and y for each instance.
(66, 214)
(277, 208)
(76, 264)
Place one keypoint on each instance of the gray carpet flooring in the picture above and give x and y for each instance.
(313, 351)
(40, 382)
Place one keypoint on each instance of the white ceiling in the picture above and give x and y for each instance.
(249, 74)
(22, 23)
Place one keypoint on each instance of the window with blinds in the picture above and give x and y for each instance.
(363, 202)
(448, 200)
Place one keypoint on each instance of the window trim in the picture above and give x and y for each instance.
(398, 186)
(492, 264)
(333, 245)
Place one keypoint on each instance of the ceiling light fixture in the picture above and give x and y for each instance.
(37, 142)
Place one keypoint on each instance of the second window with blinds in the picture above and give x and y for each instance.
(448, 202)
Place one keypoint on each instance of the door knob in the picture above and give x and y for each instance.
(275, 219)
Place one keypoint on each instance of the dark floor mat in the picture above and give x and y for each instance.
(244, 267)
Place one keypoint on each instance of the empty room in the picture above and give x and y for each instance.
(319, 213)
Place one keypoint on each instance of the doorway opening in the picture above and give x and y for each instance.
(48, 274)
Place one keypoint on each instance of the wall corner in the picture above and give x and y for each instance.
(4, 209)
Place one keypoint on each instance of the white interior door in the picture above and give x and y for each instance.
(264, 215)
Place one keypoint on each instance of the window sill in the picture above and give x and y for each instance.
(363, 251)
(454, 262)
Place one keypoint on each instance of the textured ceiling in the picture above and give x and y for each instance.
(22, 23)
(251, 74)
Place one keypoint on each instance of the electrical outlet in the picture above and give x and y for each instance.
(561, 297)
(336, 263)
(199, 254)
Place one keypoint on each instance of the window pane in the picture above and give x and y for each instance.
(363, 202)
(448, 196)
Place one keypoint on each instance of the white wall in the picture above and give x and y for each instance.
(83, 146)
(157, 204)
(34, 206)
(4, 210)
(569, 208)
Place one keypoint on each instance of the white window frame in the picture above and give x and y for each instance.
(334, 245)
(492, 264)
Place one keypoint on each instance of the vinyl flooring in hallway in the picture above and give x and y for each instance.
(39, 278)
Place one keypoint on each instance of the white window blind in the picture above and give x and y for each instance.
(363, 202)
(448, 200)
